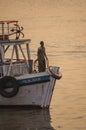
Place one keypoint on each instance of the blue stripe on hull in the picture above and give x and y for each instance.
(33, 80)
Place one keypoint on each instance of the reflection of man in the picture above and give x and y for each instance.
(41, 57)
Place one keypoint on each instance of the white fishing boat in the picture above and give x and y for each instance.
(21, 83)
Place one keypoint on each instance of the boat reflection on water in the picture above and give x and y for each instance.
(24, 119)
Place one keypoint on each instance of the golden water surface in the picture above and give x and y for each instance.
(61, 24)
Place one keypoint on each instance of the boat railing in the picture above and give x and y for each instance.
(16, 68)
(10, 28)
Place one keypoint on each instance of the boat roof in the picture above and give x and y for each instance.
(14, 41)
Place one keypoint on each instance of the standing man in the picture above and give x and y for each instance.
(42, 57)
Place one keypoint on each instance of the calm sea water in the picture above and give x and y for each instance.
(62, 25)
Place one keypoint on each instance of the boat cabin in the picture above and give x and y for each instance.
(15, 57)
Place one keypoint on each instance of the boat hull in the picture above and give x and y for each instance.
(34, 90)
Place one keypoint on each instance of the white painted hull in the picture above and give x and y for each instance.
(34, 94)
